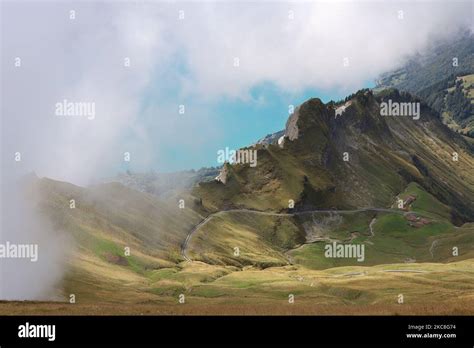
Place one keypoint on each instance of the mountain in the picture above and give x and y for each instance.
(443, 76)
(346, 168)
(453, 98)
(164, 184)
(358, 159)
(271, 138)
(433, 65)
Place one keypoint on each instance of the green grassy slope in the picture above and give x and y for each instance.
(106, 220)
(261, 240)
(421, 232)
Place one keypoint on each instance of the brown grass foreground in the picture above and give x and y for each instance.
(60, 308)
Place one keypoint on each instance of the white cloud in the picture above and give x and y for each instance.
(82, 59)
(309, 50)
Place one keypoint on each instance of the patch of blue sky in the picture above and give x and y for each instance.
(192, 140)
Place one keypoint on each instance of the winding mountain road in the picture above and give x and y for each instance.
(185, 244)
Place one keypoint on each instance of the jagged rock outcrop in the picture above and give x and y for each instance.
(223, 175)
(291, 129)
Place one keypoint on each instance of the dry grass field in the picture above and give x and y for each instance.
(427, 289)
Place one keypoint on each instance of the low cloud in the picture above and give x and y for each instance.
(181, 53)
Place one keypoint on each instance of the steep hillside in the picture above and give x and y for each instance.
(117, 216)
(441, 76)
(458, 107)
(433, 65)
(420, 232)
(121, 236)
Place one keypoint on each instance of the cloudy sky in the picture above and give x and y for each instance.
(234, 67)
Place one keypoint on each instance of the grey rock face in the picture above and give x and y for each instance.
(291, 130)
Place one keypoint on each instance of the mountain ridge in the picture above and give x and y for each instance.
(398, 150)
